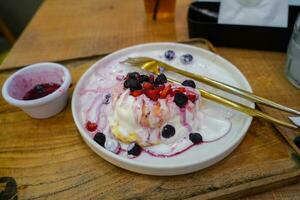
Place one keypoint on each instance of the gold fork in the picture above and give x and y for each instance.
(153, 66)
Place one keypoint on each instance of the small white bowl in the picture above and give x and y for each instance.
(16, 86)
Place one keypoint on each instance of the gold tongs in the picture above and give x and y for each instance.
(153, 66)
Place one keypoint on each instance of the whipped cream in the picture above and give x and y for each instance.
(139, 119)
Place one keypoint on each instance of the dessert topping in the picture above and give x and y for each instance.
(189, 83)
(91, 126)
(168, 131)
(169, 55)
(134, 149)
(196, 138)
(100, 138)
(186, 59)
(180, 99)
(160, 79)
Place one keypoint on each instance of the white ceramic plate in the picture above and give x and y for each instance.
(198, 157)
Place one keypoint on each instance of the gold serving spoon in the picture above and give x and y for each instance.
(153, 66)
(139, 61)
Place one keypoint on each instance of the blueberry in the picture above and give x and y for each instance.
(144, 78)
(100, 138)
(168, 131)
(133, 75)
(169, 55)
(196, 138)
(189, 83)
(297, 141)
(186, 58)
(160, 79)
(133, 84)
(134, 149)
(112, 145)
(126, 84)
(39, 89)
(107, 98)
(180, 99)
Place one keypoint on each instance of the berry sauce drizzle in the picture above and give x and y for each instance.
(158, 155)
(168, 155)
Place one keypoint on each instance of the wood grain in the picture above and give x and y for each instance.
(268, 81)
(48, 159)
(64, 29)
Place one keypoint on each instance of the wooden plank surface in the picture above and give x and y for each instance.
(65, 29)
(269, 82)
(50, 163)
(48, 159)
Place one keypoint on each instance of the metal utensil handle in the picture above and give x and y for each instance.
(230, 89)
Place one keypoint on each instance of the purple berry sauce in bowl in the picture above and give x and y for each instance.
(40, 90)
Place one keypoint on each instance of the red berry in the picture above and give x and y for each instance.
(147, 85)
(152, 94)
(172, 93)
(180, 90)
(90, 126)
(161, 87)
(136, 93)
(191, 96)
(164, 93)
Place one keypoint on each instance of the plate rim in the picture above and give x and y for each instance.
(93, 145)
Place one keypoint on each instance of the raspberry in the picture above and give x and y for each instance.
(91, 126)
(161, 87)
(191, 96)
(136, 93)
(164, 93)
(147, 85)
(180, 90)
(152, 94)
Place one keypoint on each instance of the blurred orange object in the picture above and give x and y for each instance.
(160, 9)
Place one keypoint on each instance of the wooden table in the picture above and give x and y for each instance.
(48, 159)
